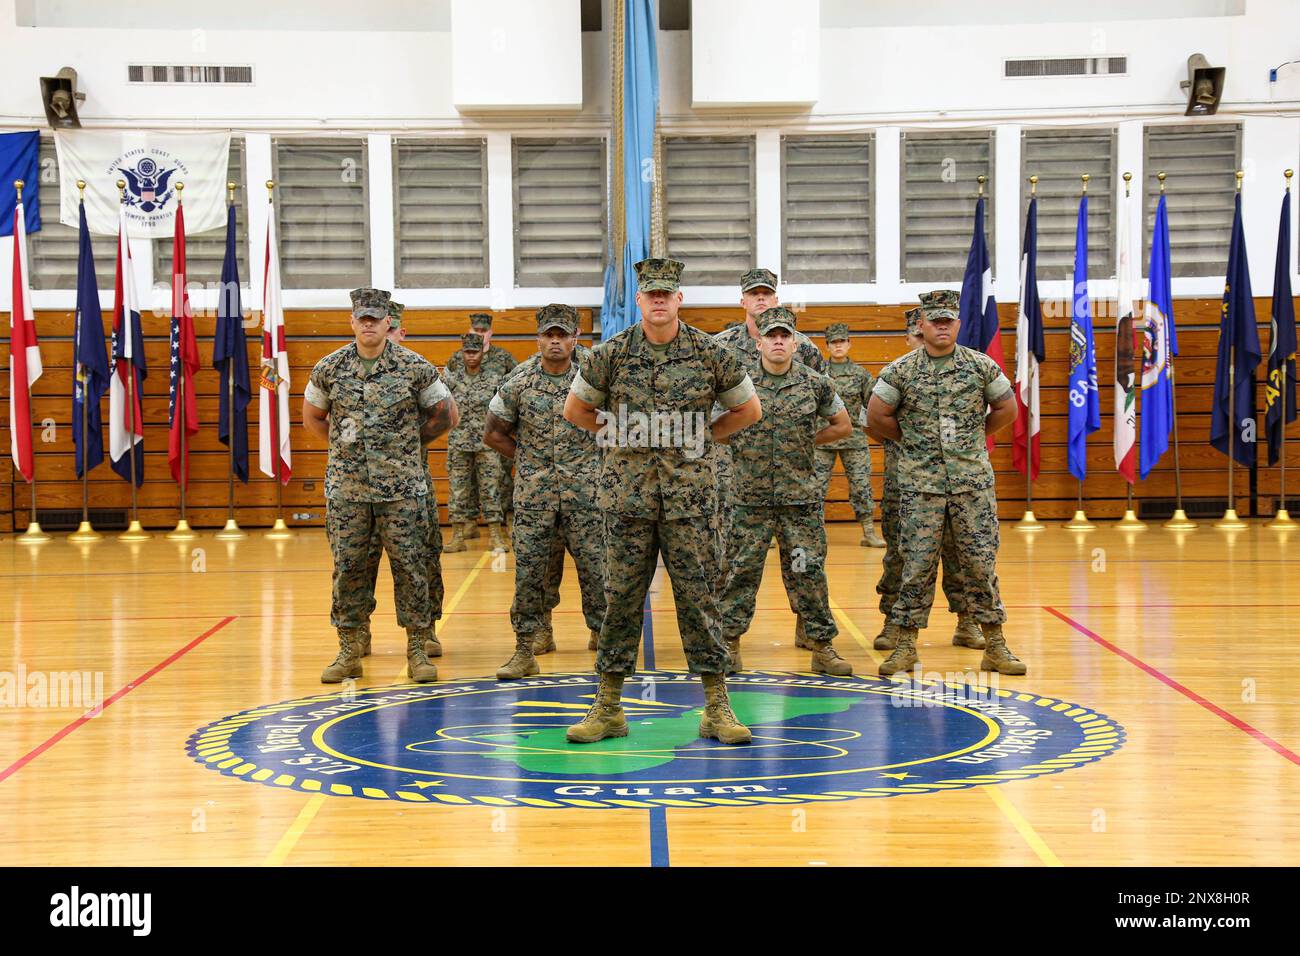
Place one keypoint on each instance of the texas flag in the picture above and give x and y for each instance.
(25, 354)
(979, 309)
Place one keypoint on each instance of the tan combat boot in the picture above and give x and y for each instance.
(734, 663)
(887, 638)
(719, 722)
(348, 663)
(827, 660)
(498, 543)
(605, 719)
(363, 639)
(543, 640)
(417, 662)
(869, 537)
(904, 656)
(457, 540)
(801, 638)
(593, 640)
(968, 633)
(997, 656)
(433, 646)
(522, 664)
(471, 530)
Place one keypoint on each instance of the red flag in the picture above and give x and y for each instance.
(24, 355)
(184, 360)
(273, 393)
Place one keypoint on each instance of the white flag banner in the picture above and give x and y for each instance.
(151, 165)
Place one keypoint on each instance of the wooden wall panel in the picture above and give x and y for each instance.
(435, 334)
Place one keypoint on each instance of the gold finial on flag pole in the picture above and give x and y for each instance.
(1128, 180)
(1085, 177)
(230, 191)
(1033, 185)
(981, 180)
(81, 189)
(1241, 174)
(18, 188)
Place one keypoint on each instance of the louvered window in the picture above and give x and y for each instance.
(709, 207)
(1059, 158)
(559, 198)
(53, 260)
(939, 176)
(1201, 163)
(205, 252)
(323, 211)
(440, 204)
(826, 205)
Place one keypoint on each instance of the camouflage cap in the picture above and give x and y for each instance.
(395, 310)
(836, 331)
(941, 303)
(559, 316)
(370, 302)
(480, 321)
(914, 320)
(777, 317)
(659, 275)
(471, 342)
(758, 279)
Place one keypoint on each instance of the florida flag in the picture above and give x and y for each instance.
(25, 354)
(273, 423)
(126, 379)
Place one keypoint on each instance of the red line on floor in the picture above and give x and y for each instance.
(27, 758)
(1187, 692)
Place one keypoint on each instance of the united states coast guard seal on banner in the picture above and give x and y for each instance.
(484, 743)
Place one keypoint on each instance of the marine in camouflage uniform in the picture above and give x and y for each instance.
(470, 463)
(757, 292)
(432, 647)
(498, 361)
(967, 633)
(940, 403)
(648, 393)
(853, 384)
(555, 505)
(373, 411)
(777, 492)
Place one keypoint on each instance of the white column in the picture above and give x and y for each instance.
(888, 175)
(1128, 159)
(379, 156)
(1006, 231)
(767, 200)
(257, 161)
(501, 226)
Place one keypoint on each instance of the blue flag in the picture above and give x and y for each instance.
(90, 377)
(1239, 354)
(19, 154)
(230, 357)
(1159, 345)
(640, 104)
(1085, 401)
(1279, 390)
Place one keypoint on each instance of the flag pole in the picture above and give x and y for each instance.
(85, 532)
(1180, 521)
(232, 531)
(1028, 522)
(182, 531)
(33, 534)
(134, 531)
(1130, 521)
(1080, 520)
(279, 531)
(1282, 520)
(1230, 521)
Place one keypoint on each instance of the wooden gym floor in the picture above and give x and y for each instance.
(1188, 642)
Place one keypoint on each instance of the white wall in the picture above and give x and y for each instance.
(912, 66)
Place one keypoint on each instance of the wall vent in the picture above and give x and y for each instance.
(205, 75)
(1065, 66)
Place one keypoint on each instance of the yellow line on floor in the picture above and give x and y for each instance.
(1036, 843)
(853, 630)
(296, 830)
(455, 598)
(299, 826)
